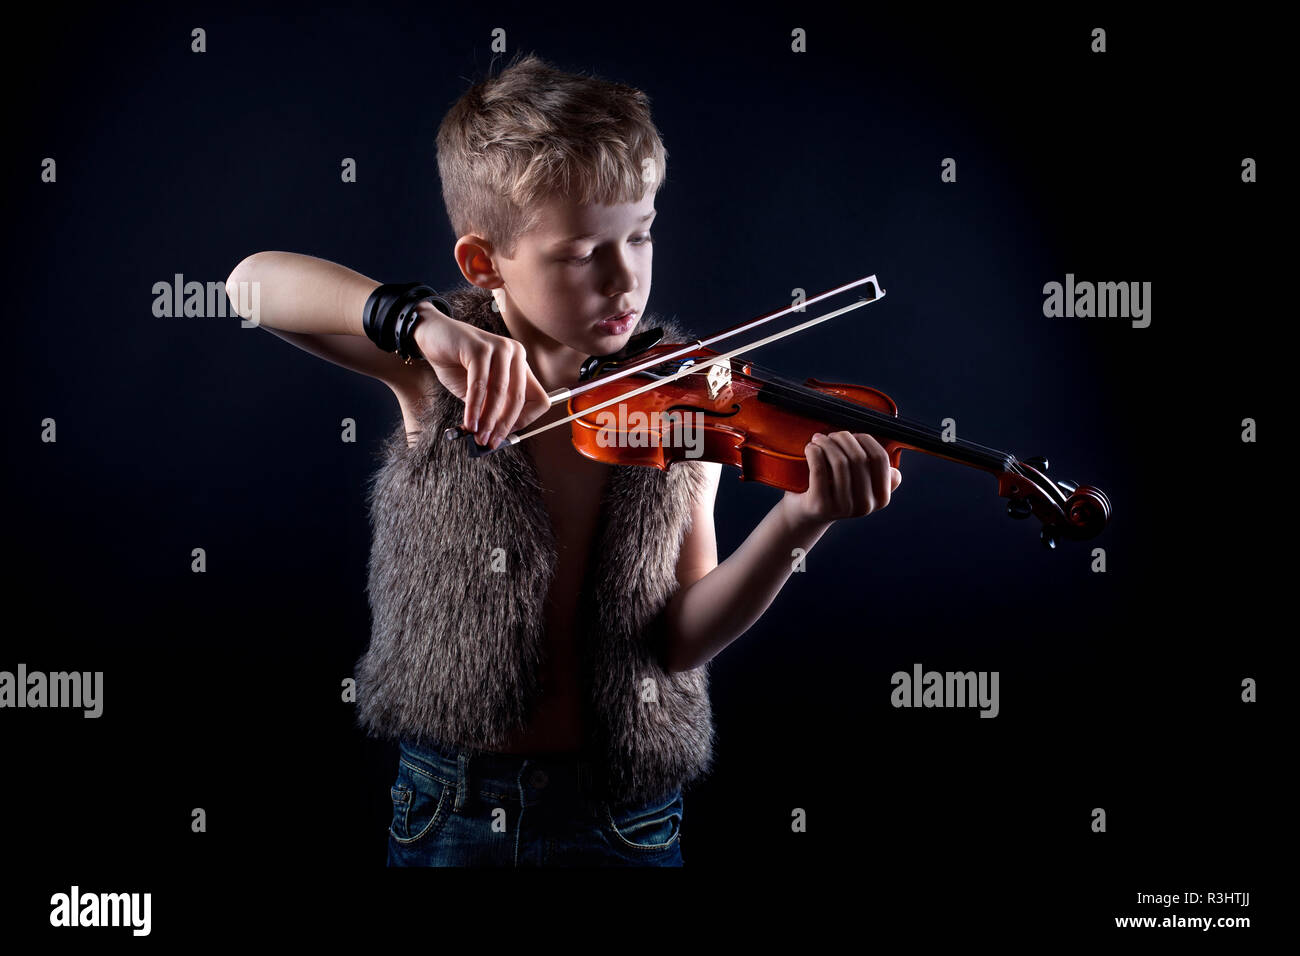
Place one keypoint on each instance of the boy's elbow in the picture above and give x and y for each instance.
(241, 271)
(237, 275)
(242, 275)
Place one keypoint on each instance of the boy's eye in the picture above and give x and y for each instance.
(639, 240)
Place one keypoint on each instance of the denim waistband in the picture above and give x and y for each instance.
(527, 779)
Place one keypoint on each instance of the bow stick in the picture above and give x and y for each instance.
(563, 394)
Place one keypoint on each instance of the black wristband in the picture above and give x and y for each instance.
(408, 317)
(390, 314)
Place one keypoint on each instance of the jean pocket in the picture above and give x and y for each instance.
(421, 805)
(653, 826)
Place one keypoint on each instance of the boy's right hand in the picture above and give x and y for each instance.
(489, 373)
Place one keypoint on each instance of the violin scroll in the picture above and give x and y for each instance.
(1065, 508)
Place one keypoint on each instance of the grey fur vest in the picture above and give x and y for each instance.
(456, 647)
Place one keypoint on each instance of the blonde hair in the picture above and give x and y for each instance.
(533, 133)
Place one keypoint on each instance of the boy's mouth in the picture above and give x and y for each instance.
(619, 324)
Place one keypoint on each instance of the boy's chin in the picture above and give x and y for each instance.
(602, 343)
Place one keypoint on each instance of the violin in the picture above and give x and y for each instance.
(742, 414)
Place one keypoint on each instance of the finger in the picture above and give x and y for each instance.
(896, 478)
(495, 398)
(476, 384)
(841, 480)
(878, 467)
(860, 496)
(518, 384)
(818, 474)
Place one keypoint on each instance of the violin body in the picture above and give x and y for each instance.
(736, 413)
(764, 440)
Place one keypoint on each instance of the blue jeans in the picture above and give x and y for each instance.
(456, 806)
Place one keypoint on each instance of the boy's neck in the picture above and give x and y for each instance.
(554, 363)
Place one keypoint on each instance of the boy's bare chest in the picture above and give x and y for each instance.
(572, 487)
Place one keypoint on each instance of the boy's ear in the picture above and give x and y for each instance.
(474, 259)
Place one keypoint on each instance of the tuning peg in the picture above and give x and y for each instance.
(1069, 487)
(1019, 508)
(1038, 461)
(1048, 538)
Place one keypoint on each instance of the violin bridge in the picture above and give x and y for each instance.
(719, 377)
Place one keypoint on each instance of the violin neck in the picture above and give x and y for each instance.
(843, 414)
(958, 450)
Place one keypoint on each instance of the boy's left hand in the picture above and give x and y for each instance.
(849, 476)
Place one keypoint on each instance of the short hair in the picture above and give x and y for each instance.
(533, 133)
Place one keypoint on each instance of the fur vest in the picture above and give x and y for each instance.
(456, 646)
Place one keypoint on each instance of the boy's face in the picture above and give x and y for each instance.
(580, 265)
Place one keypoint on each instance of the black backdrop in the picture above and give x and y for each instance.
(1119, 690)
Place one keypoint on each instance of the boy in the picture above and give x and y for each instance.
(542, 621)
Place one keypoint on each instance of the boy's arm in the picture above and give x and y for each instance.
(317, 305)
(849, 476)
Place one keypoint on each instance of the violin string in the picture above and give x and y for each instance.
(848, 405)
(808, 396)
(782, 382)
(814, 400)
(904, 428)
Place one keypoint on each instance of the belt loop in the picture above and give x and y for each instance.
(462, 779)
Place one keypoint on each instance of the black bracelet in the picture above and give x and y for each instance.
(379, 318)
(391, 314)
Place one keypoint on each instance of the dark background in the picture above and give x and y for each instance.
(1118, 690)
